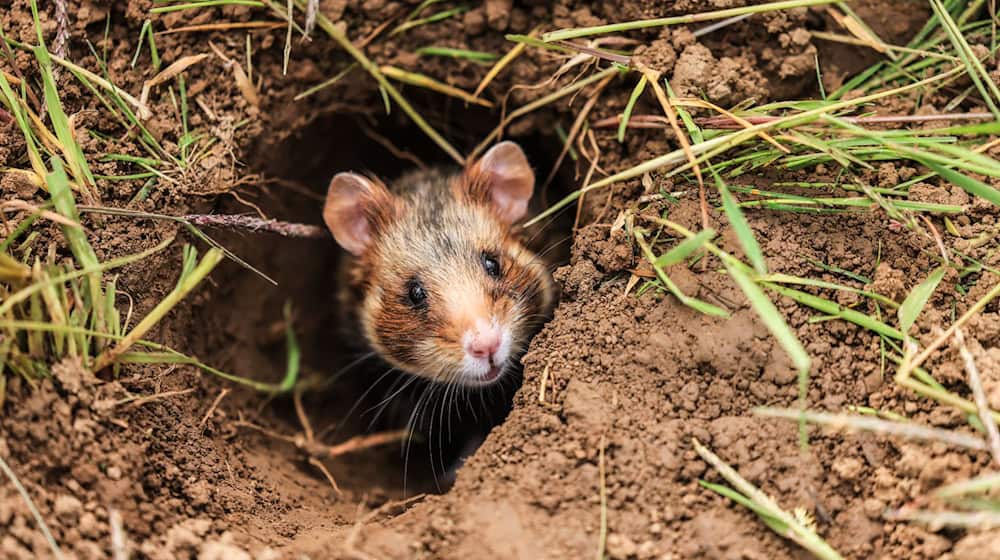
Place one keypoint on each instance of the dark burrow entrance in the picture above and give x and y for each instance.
(347, 394)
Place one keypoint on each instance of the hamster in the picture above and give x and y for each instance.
(437, 280)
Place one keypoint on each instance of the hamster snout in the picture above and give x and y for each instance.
(487, 349)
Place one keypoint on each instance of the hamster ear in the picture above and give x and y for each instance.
(505, 179)
(353, 209)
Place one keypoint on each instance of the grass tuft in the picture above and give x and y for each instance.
(797, 527)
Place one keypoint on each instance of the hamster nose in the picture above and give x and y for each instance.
(484, 342)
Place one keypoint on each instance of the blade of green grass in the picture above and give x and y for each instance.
(76, 238)
(775, 323)
(627, 113)
(685, 248)
(917, 299)
(831, 308)
(787, 279)
(740, 225)
(694, 303)
(475, 56)
(980, 77)
(442, 15)
(60, 122)
(968, 184)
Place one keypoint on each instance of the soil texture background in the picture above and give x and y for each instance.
(183, 464)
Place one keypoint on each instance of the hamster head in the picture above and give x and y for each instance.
(449, 292)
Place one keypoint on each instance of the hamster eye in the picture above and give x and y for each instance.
(491, 264)
(416, 295)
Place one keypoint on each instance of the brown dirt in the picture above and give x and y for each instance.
(643, 374)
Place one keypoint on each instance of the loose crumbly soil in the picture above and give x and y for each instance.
(641, 375)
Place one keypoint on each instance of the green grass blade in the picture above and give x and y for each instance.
(192, 273)
(775, 323)
(980, 77)
(917, 299)
(795, 527)
(694, 303)
(475, 56)
(60, 122)
(627, 113)
(831, 308)
(294, 353)
(787, 279)
(684, 249)
(76, 238)
(14, 106)
(774, 523)
(968, 184)
(771, 317)
(740, 225)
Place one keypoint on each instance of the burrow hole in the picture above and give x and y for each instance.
(297, 171)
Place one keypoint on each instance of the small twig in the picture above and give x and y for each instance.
(303, 419)
(358, 443)
(255, 224)
(18, 205)
(315, 450)
(982, 404)
(541, 384)
(211, 409)
(61, 41)
(326, 472)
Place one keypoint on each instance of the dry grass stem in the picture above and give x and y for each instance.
(979, 396)
(211, 409)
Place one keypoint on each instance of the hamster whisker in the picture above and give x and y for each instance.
(330, 380)
(404, 382)
(361, 399)
(412, 426)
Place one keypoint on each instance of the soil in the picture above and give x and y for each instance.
(162, 455)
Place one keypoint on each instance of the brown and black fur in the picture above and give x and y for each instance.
(434, 227)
